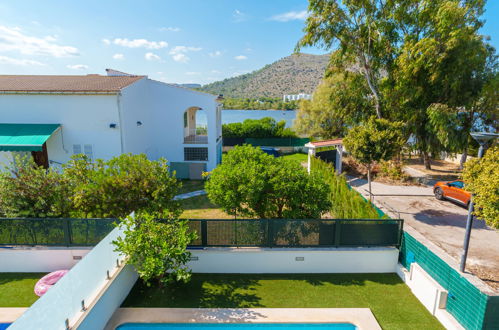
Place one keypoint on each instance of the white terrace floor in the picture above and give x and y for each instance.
(363, 318)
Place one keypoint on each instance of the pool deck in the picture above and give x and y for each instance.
(10, 314)
(363, 318)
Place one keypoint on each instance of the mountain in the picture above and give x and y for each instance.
(297, 73)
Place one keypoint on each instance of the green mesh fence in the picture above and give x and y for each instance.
(472, 308)
(297, 232)
(54, 232)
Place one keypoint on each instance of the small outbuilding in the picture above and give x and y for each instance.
(334, 156)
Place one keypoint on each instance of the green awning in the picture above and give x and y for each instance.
(25, 137)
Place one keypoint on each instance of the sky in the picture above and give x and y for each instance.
(180, 41)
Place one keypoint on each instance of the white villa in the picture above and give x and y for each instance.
(102, 116)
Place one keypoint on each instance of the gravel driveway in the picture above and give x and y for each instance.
(442, 222)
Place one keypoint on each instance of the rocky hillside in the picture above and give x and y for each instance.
(298, 73)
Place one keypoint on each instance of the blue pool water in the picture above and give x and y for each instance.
(237, 326)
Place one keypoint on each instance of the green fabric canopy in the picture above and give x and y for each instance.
(25, 137)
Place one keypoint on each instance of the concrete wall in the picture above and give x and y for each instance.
(85, 120)
(255, 260)
(39, 259)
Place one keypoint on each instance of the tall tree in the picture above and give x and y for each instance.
(442, 67)
(338, 102)
(364, 32)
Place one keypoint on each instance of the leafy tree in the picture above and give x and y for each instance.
(29, 190)
(376, 140)
(363, 32)
(481, 177)
(266, 127)
(338, 102)
(121, 185)
(440, 72)
(156, 248)
(251, 183)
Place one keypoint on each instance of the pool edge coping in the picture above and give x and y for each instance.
(362, 318)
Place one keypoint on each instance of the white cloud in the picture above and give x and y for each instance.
(106, 41)
(238, 16)
(290, 16)
(15, 61)
(240, 57)
(140, 43)
(216, 53)
(77, 67)
(152, 57)
(14, 40)
(178, 53)
(193, 73)
(119, 56)
(215, 71)
(170, 29)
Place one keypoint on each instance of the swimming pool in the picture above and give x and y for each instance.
(237, 326)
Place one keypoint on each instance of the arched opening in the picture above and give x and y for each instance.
(195, 126)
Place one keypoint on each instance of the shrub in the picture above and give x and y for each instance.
(257, 128)
(156, 248)
(251, 183)
(346, 203)
(28, 190)
(121, 185)
(481, 177)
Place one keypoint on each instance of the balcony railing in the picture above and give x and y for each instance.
(196, 136)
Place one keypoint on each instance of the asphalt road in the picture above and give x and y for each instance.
(442, 222)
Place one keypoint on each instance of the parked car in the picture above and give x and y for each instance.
(452, 190)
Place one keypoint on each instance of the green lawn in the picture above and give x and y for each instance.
(200, 207)
(16, 289)
(191, 185)
(298, 157)
(391, 301)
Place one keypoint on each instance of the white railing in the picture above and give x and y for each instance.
(196, 136)
(65, 304)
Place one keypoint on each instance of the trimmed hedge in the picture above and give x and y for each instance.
(346, 202)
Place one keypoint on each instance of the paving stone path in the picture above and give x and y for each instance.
(189, 195)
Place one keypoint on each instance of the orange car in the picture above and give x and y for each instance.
(453, 190)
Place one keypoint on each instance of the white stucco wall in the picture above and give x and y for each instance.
(254, 260)
(39, 259)
(163, 106)
(85, 119)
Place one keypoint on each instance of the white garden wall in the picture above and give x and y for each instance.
(256, 260)
(34, 260)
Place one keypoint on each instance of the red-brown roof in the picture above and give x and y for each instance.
(326, 143)
(67, 84)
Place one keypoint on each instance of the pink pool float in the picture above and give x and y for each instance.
(46, 282)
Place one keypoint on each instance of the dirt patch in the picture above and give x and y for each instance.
(438, 167)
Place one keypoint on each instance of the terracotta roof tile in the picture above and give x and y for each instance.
(326, 143)
(68, 84)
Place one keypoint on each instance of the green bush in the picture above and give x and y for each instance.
(156, 248)
(257, 128)
(346, 203)
(121, 185)
(27, 190)
(85, 189)
(251, 183)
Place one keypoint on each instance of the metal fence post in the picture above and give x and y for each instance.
(270, 233)
(204, 233)
(337, 233)
(67, 232)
